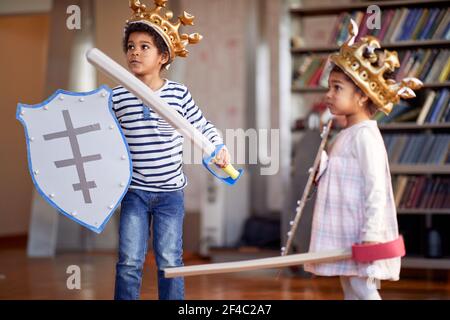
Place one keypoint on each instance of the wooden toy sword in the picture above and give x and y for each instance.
(313, 171)
(118, 73)
(359, 253)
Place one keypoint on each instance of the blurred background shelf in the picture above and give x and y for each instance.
(422, 211)
(419, 169)
(329, 10)
(425, 263)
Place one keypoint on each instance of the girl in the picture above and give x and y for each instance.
(355, 201)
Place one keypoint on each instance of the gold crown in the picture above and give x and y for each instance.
(160, 22)
(367, 73)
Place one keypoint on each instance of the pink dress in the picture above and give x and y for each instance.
(355, 203)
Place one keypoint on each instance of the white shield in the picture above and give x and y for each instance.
(77, 155)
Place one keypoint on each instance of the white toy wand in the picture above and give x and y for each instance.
(118, 73)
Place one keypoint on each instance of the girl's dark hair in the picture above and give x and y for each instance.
(371, 107)
(157, 39)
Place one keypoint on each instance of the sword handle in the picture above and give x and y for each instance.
(231, 171)
(233, 174)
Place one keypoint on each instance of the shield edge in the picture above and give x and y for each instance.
(20, 106)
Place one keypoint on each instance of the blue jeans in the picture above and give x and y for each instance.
(139, 207)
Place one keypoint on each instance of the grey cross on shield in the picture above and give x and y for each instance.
(78, 160)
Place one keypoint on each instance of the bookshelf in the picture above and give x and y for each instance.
(306, 94)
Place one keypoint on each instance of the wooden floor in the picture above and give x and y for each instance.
(25, 278)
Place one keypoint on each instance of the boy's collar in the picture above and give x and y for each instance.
(166, 81)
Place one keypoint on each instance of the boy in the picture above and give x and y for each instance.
(156, 190)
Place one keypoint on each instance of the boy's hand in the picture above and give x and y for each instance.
(223, 158)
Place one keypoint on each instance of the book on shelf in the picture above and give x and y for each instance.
(389, 16)
(435, 110)
(428, 65)
(421, 192)
(417, 148)
(309, 70)
(402, 13)
(439, 107)
(442, 27)
(402, 112)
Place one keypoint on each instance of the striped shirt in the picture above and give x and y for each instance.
(156, 147)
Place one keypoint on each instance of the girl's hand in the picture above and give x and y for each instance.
(223, 158)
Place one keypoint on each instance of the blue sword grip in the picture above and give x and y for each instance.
(207, 160)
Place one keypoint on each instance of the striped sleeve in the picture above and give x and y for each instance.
(195, 116)
(121, 95)
(114, 99)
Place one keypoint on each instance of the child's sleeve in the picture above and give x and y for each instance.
(195, 116)
(371, 157)
(114, 103)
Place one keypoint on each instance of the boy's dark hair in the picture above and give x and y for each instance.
(157, 39)
(370, 107)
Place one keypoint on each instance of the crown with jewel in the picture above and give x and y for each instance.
(361, 63)
(160, 22)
